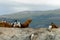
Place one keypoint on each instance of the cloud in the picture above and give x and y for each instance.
(21, 9)
(12, 6)
(46, 2)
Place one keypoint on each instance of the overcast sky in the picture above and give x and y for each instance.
(12, 6)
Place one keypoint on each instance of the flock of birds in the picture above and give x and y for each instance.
(22, 25)
(16, 24)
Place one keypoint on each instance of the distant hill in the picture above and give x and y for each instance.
(39, 18)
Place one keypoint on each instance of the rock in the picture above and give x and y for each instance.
(29, 34)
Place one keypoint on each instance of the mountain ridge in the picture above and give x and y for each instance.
(24, 13)
(39, 18)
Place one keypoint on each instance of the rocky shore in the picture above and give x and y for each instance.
(29, 34)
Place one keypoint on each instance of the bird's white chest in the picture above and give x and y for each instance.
(50, 26)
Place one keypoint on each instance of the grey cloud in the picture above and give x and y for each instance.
(9, 7)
